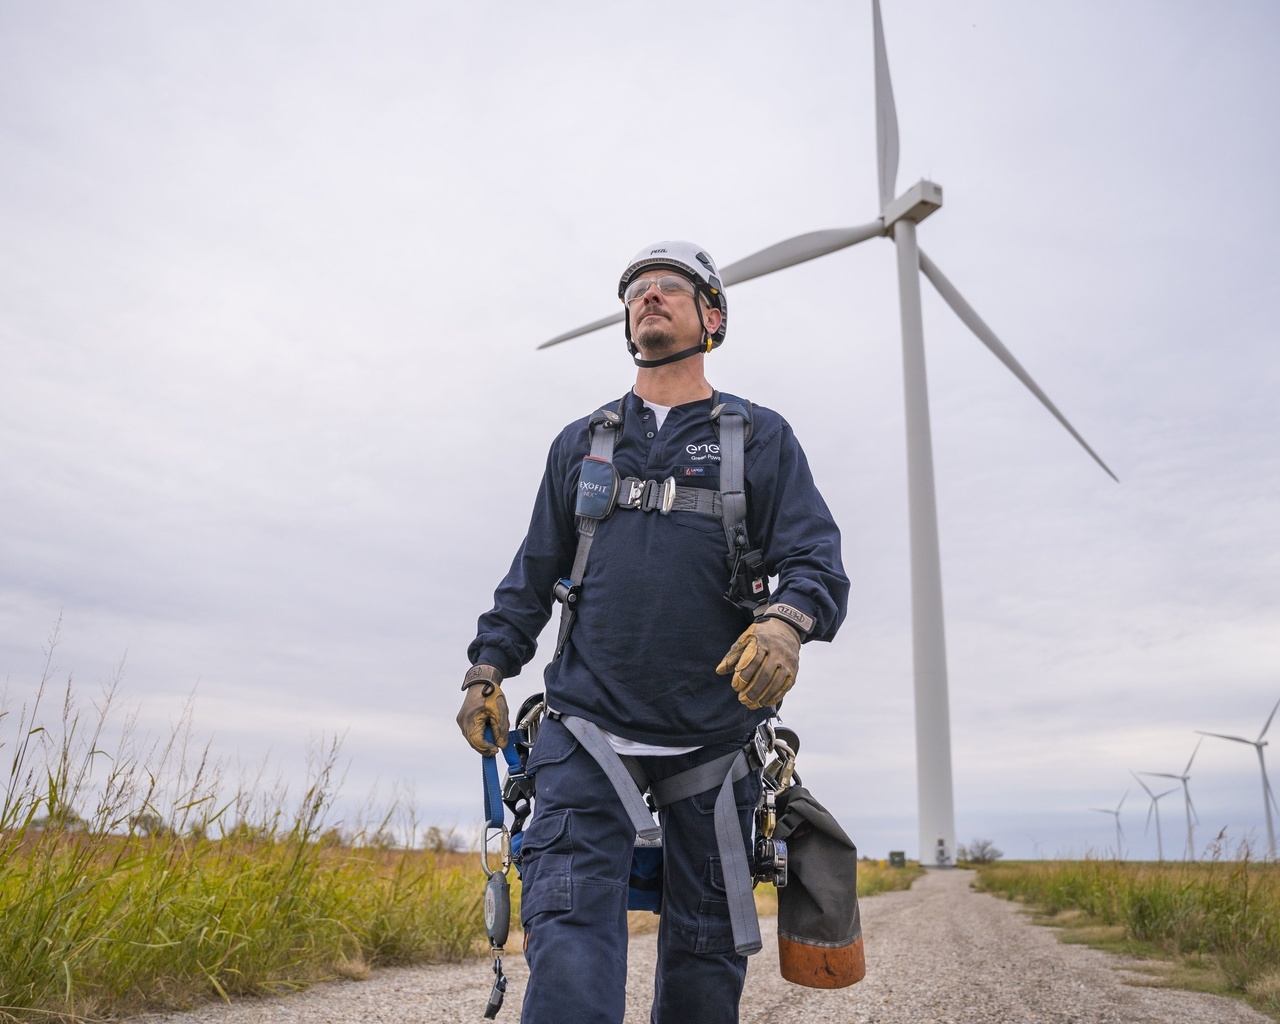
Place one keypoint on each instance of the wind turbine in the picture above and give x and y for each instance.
(1119, 830)
(1185, 778)
(898, 219)
(1154, 808)
(1268, 798)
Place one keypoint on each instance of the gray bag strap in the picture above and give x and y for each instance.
(723, 772)
(595, 744)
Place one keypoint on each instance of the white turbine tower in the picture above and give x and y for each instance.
(1268, 798)
(898, 219)
(1185, 779)
(1119, 830)
(1155, 808)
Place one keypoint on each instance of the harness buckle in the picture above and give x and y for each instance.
(668, 496)
(633, 496)
(566, 591)
(648, 495)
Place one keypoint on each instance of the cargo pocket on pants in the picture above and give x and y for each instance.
(546, 854)
(715, 930)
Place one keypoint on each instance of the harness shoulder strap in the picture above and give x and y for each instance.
(603, 428)
(748, 581)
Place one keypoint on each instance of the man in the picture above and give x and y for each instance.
(646, 644)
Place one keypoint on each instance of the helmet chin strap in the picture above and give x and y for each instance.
(703, 346)
(685, 354)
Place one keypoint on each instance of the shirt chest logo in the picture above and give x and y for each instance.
(703, 452)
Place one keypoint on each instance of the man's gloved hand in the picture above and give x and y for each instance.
(763, 661)
(484, 705)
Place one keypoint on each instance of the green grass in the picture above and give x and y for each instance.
(1217, 923)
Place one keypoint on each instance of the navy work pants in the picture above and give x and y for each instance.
(576, 861)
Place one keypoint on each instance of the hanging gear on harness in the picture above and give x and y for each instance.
(797, 846)
(516, 794)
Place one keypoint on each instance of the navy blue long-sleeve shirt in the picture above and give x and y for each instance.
(653, 621)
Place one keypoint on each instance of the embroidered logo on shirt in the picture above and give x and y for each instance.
(695, 470)
(703, 452)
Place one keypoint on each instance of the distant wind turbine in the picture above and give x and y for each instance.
(1155, 808)
(898, 219)
(1119, 830)
(1268, 798)
(1185, 779)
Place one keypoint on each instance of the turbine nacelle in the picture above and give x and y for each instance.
(915, 204)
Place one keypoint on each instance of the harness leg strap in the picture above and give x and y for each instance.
(723, 772)
(594, 743)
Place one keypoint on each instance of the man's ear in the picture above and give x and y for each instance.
(712, 317)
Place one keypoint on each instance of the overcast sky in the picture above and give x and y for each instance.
(271, 415)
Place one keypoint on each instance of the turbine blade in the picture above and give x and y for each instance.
(1149, 810)
(1161, 775)
(1142, 784)
(976, 324)
(1101, 810)
(1224, 736)
(795, 250)
(1122, 800)
(1187, 770)
(886, 116)
(1269, 717)
(595, 325)
(1195, 816)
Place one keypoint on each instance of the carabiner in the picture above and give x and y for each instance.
(504, 847)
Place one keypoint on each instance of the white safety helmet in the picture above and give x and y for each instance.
(694, 262)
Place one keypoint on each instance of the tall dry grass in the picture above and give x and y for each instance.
(135, 878)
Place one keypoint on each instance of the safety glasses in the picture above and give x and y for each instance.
(671, 284)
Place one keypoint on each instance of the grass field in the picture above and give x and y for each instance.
(137, 879)
(1214, 926)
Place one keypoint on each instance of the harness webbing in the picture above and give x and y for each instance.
(629, 782)
(734, 864)
(595, 744)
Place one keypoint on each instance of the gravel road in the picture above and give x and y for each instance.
(939, 952)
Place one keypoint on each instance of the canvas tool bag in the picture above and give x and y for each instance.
(819, 927)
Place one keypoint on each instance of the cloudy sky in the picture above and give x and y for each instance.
(271, 414)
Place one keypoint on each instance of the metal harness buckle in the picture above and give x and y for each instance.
(648, 495)
(634, 494)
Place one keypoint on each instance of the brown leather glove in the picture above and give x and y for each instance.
(763, 661)
(484, 705)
